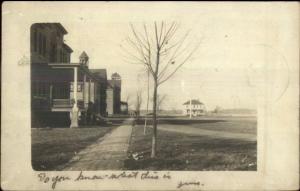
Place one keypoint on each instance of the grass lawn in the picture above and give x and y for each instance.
(52, 148)
(248, 127)
(233, 124)
(178, 151)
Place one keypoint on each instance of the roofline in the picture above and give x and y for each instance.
(63, 65)
(94, 72)
(68, 47)
(61, 28)
(58, 25)
(188, 103)
(71, 66)
(84, 54)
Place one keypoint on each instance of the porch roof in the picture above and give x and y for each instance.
(81, 67)
(63, 65)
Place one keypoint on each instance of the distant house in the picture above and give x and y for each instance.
(195, 106)
(124, 107)
(100, 90)
(113, 95)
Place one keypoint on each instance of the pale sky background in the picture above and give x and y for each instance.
(217, 73)
(226, 70)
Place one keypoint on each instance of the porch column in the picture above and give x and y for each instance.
(74, 112)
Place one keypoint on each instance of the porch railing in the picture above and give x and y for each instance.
(40, 103)
(66, 103)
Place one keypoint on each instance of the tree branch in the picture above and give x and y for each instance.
(174, 55)
(183, 62)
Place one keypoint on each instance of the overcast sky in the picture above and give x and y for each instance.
(226, 69)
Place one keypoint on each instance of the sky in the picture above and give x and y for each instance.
(227, 69)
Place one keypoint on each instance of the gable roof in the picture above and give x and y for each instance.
(83, 55)
(194, 102)
(66, 47)
(99, 73)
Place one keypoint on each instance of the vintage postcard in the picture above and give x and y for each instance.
(150, 96)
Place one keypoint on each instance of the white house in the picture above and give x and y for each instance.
(194, 105)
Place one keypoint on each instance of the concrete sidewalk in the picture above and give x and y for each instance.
(107, 153)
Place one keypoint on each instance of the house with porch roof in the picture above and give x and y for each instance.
(194, 107)
(62, 92)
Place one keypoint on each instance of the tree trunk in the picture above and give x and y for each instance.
(145, 126)
(154, 135)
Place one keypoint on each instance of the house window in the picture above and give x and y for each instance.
(40, 89)
(79, 87)
(61, 91)
(40, 43)
(61, 56)
(65, 57)
(53, 53)
(44, 45)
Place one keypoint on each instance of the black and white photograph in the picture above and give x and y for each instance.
(156, 91)
(91, 116)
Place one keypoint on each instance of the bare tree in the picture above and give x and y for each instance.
(160, 101)
(128, 99)
(147, 107)
(158, 49)
(217, 109)
(138, 103)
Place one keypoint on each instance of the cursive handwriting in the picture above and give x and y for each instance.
(82, 177)
(124, 175)
(54, 180)
(181, 184)
(148, 175)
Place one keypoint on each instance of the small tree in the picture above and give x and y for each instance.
(159, 50)
(128, 100)
(160, 101)
(138, 103)
(147, 107)
(217, 109)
